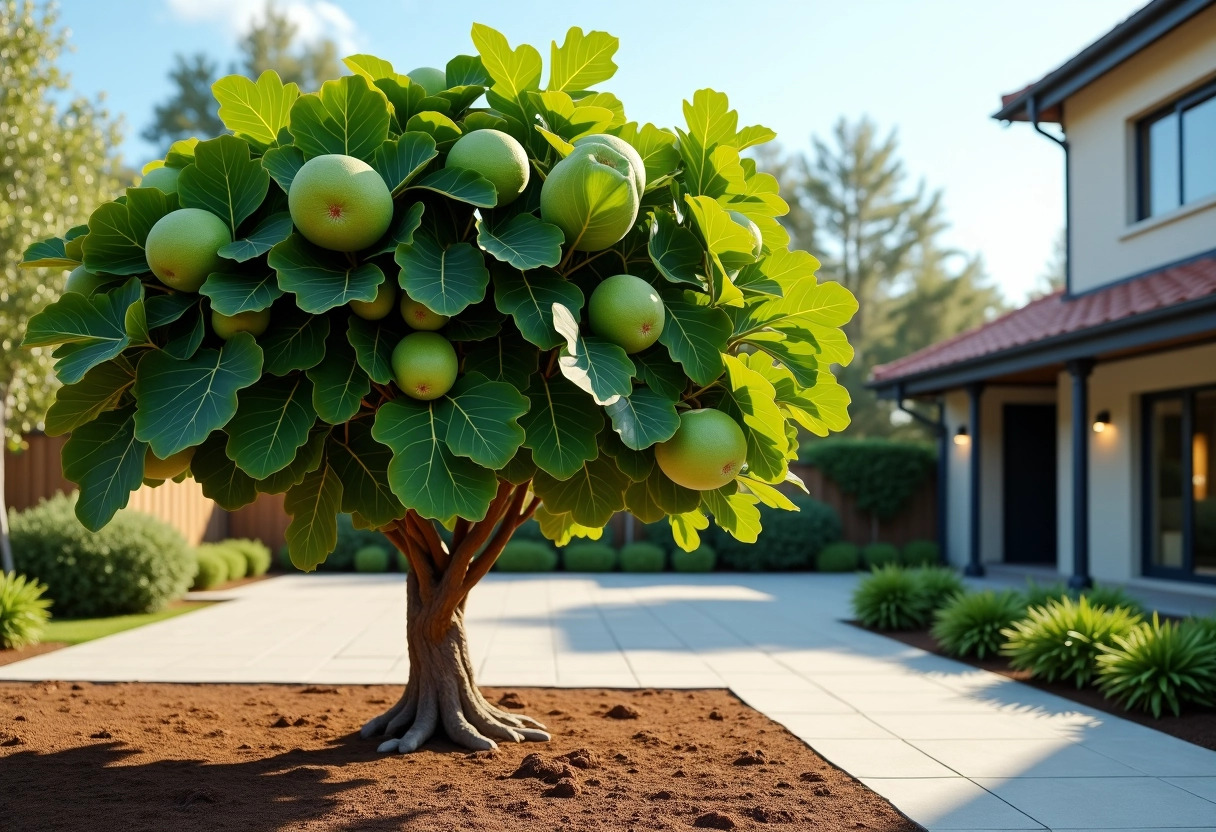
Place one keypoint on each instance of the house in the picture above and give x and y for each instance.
(1079, 432)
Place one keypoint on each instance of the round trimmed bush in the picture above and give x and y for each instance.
(256, 553)
(526, 556)
(879, 554)
(839, 557)
(939, 584)
(970, 624)
(212, 569)
(920, 553)
(642, 557)
(1060, 641)
(891, 598)
(135, 564)
(234, 561)
(700, 559)
(589, 557)
(791, 539)
(371, 559)
(23, 611)
(1159, 665)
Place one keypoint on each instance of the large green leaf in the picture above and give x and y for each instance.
(820, 409)
(118, 231)
(658, 372)
(371, 67)
(582, 61)
(806, 303)
(48, 254)
(643, 418)
(438, 126)
(695, 336)
(672, 498)
(105, 459)
(567, 120)
(594, 365)
(736, 513)
(223, 180)
(220, 478)
(271, 231)
(514, 71)
(232, 294)
(460, 184)
(528, 297)
(591, 495)
(162, 310)
(481, 420)
(283, 163)
(751, 400)
(322, 280)
(180, 402)
(400, 233)
(362, 464)
(636, 465)
(272, 420)
(348, 116)
(338, 382)
(374, 342)
(675, 251)
(295, 341)
(99, 390)
(307, 459)
(561, 426)
(684, 528)
(656, 147)
(399, 160)
(479, 322)
(313, 506)
(502, 358)
(444, 280)
(92, 330)
(424, 474)
(523, 242)
(255, 111)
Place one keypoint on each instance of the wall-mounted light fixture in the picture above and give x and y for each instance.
(961, 437)
(1101, 421)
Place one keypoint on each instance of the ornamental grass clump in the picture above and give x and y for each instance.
(970, 624)
(891, 598)
(1059, 642)
(23, 611)
(939, 584)
(1159, 665)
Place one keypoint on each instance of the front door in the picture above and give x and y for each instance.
(1029, 461)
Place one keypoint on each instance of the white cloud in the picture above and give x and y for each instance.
(315, 19)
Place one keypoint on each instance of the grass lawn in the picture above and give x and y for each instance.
(78, 630)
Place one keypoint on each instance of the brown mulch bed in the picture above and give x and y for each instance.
(1195, 725)
(134, 757)
(10, 656)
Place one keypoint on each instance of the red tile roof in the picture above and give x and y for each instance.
(1057, 315)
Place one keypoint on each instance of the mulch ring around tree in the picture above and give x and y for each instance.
(1196, 725)
(256, 758)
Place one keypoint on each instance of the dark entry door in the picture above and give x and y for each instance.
(1030, 483)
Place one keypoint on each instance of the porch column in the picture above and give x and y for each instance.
(1079, 369)
(975, 566)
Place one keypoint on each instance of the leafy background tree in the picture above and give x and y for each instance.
(272, 42)
(58, 165)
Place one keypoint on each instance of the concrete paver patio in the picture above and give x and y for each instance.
(953, 747)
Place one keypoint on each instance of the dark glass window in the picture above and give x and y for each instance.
(1177, 154)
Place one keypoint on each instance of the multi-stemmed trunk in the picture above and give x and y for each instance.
(441, 692)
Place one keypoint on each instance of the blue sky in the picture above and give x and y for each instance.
(933, 69)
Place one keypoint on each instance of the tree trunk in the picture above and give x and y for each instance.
(441, 693)
(6, 546)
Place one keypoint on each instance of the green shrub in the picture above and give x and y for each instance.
(701, 559)
(879, 554)
(891, 598)
(371, 559)
(212, 569)
(839, 557)
(526, 556)
(529, 530)
(135, 564)
(589, 557)
(970, 624)
(920, 553)
(1059, 641)
(642, 557)
(939, 584)
(791, 539)
(234, 560)
(1112, 597)
(1039, 595)
(1158, 665)
(256, 553)
(23, 611)
(881, 475)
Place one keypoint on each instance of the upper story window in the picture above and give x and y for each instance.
(1176, 154)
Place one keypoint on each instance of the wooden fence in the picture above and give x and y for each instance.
(35, 473)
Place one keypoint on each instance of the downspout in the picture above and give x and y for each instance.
(938, 426)
(1032, 111)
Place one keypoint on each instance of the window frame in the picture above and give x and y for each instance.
(1147, 486)
(1143, 167)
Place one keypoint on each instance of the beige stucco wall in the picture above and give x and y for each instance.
(1114, 454)
(1107, 244)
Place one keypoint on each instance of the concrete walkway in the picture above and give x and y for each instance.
(953, 747)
